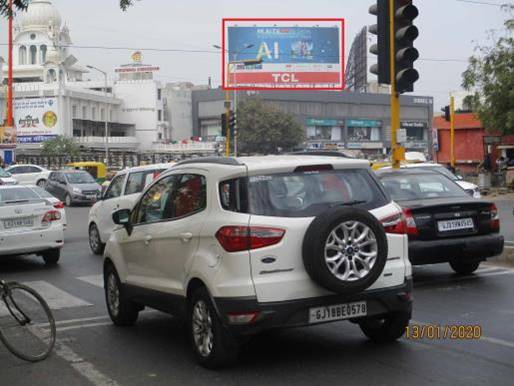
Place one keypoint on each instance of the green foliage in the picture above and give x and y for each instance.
(21, 5)
(263, 128)
(60, 146)
(490, 78)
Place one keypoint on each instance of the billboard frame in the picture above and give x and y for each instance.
(224, 22)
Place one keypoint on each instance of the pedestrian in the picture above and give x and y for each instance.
(501, 163)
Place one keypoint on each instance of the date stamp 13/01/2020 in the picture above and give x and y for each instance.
(448, 331)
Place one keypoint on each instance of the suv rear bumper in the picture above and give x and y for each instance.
(294, 313)
(471, 248)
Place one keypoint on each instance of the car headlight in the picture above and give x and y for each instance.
(77, 190)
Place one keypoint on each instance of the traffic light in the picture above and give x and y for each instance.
(446, 110)
(382, 49)
(223, 125)
(405, 54)
(232, 122)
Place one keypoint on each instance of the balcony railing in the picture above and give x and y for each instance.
(93, 141)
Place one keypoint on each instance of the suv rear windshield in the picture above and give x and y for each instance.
(302, 194)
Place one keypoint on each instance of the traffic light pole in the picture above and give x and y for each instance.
(398, 152)
(227, 124)
(452, 131)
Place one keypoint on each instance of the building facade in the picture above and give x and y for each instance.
(343, 120)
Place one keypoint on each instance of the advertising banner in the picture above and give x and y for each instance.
(36, 119)
(283, 53)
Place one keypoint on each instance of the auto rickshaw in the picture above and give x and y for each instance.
(97, 169)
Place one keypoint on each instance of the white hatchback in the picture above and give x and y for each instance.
(239, 246)
(122, 193)
(29, 224)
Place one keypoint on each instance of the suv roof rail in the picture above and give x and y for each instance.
(327, 153)
(211, 160)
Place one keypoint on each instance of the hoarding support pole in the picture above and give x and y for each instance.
(398, 152)
(452, 131)
(227, 114)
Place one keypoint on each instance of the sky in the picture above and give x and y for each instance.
(449, 29)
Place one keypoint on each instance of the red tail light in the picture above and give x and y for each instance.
(52, 215)
(241, 238)
(400, 223)
(394, 224)
(410, 224)
(495, 218)
(59, 205)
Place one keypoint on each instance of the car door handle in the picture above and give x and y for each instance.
(186, 236)
(148, 238)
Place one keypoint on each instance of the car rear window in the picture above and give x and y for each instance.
(421, 186)
(15, 195)
(302, 194)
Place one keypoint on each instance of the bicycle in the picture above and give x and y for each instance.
(27, 326)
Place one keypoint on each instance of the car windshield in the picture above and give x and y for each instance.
(16, 195)
(403, 187)
(306, 194)
(79, 178)
(4, 174)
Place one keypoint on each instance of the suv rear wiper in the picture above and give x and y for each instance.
(348, 203)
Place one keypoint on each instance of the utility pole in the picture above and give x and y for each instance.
(10, 115)
(452, 131)
(106, 125)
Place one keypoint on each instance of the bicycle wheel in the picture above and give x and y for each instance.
(27, 326)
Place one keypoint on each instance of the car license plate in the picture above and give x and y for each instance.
(91, 197)
(337, 312)
(22, 222)
(453, 225)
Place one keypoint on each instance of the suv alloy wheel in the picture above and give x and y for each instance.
(213, 346)
(345, 250)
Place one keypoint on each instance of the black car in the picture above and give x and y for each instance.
(443, 223)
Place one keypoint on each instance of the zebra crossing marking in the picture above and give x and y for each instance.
(55, 297)
(96, 280)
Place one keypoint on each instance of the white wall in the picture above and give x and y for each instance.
(140, 107)
(179, 111)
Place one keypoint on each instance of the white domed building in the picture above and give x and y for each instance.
(52, 95)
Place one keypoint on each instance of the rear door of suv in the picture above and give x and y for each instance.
(289, 202)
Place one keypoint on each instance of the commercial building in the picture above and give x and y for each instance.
(344, 120)
(53, 96)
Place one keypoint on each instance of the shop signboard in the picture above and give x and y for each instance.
(36, 119)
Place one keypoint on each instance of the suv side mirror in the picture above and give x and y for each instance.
(122, 217)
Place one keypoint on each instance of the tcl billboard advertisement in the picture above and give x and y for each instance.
(283, 54)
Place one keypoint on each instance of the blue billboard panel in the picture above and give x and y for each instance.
(283, 45)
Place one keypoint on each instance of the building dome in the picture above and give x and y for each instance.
(40, 14)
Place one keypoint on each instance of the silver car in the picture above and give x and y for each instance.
(73, 187)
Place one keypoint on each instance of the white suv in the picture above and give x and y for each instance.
(122, 193)
(237, 246)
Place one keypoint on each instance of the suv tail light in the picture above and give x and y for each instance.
(59, 205)
(241, 238)
(52, 215)
(495, 218)
(400, 223)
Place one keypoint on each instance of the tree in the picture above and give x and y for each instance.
(60, 146)
(264, 129)
(490, 78)
(21, 5)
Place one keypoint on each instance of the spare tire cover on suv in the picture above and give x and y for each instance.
(345, 250)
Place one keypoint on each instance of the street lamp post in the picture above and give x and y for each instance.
(234, 62)
(106, 133)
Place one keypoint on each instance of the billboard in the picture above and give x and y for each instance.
(283, 54)
(36, 119)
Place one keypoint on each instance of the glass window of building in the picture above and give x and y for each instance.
(33, 55)
(22, 56)
(42, 49)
